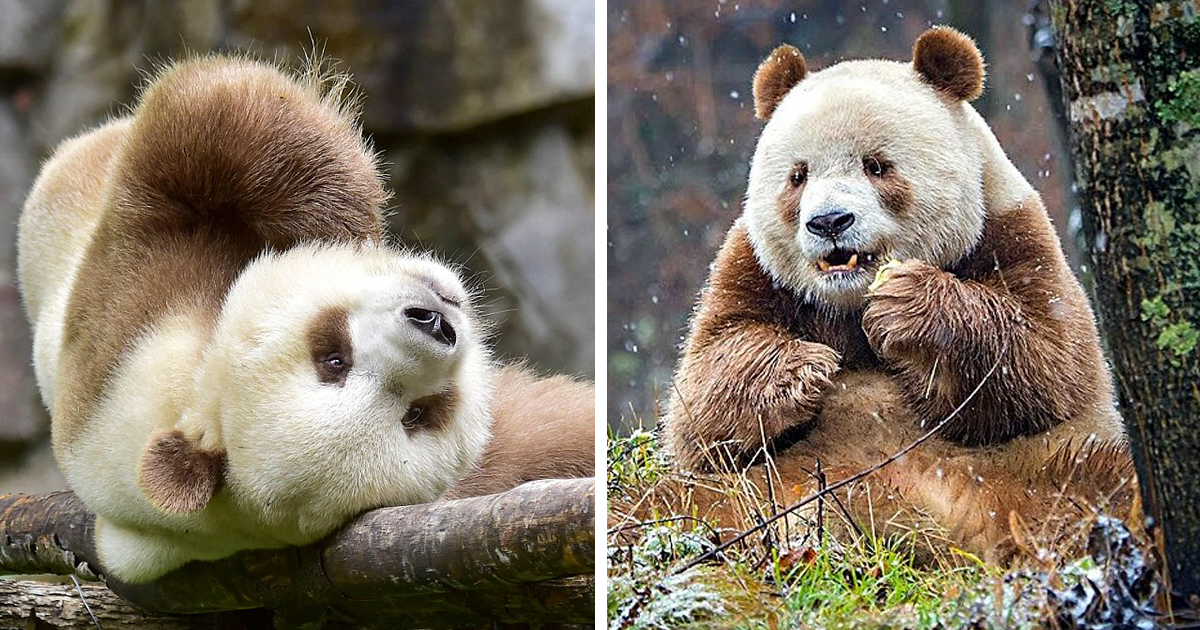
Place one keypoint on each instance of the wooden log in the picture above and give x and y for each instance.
(521, 556)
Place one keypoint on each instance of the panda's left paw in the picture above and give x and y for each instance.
(904, 309)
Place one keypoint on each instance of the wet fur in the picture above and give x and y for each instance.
(775, 357)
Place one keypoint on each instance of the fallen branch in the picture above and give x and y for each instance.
(526, 555)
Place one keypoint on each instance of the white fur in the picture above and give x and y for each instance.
(832, 120)
(302, 456)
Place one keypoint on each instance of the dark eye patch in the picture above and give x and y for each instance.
(432, 412)
(329, 345)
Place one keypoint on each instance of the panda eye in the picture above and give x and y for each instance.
(799, 175)
(412, 419)
(334, 362)
(876, 167)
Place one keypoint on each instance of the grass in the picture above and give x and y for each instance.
(795, 577)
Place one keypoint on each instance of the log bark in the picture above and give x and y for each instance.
(522, 556)
(45, 605)
(1130, 73)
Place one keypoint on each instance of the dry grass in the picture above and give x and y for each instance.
(819, 567)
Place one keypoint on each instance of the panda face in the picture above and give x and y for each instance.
(862, 163)
(354, 377)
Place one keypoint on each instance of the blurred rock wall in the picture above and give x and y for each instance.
(483, 112)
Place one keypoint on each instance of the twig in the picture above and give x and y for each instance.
(83, 599)
(660, 521)
(849, 480)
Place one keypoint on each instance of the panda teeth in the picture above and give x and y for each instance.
(850, 265)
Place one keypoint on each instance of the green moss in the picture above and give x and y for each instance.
(1155, 310)
(1179, 338)
(1182, 103)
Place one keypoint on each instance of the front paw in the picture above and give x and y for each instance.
(805, 374)
(903, 308)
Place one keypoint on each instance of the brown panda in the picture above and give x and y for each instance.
(232, 356)
(861, 163)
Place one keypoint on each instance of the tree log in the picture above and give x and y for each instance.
(44, 605)
(522, 556)
(1130, 75)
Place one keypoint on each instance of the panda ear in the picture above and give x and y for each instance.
(950, 62)
(177, 475)
(775, 77)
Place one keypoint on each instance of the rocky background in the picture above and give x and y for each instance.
(483, 112)
(681, 130)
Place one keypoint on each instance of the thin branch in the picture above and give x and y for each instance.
(711, 553)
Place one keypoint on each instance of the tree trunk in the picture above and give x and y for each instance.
(1131, 80)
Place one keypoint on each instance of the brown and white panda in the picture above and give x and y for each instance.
(232, 356)
(861, 163)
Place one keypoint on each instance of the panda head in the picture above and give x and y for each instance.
(863, 162)
(340, 378)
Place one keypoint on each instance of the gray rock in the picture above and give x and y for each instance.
(514, 204)
(437, 67)
(28, 33)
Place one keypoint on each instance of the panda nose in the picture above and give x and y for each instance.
(431, 323)
(830, 224)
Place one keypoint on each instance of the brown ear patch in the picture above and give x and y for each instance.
(775, 77)
(950, 62)
(179, 477)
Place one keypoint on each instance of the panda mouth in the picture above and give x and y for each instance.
(843, 261)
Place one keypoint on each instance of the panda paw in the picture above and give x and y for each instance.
(903, 311)
(808, 370)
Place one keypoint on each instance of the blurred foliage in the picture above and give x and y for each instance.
(682, 130)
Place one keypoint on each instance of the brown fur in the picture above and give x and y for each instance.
(329, 334)
(789, 199)
(756, 363)
(177, 476)
(766, 366)
(436, 410)
(222, 158)
(998, 502)
(1012, 300)
(762, 363)
(775, 77)
(895, 192)
(543, 428)
(950, 62)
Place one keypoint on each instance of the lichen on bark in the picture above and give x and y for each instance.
(1139, 188)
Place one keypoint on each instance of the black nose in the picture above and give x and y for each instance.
(830, 224)
(431, 323)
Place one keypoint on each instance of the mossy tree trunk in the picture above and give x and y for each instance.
(1130, 74)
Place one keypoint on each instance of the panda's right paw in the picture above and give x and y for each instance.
(807, 373)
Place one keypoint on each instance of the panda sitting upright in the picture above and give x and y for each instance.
(871, 163)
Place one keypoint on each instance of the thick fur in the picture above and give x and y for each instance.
(776, 76)
(180, 267)
(984, 283)
(542, 428)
